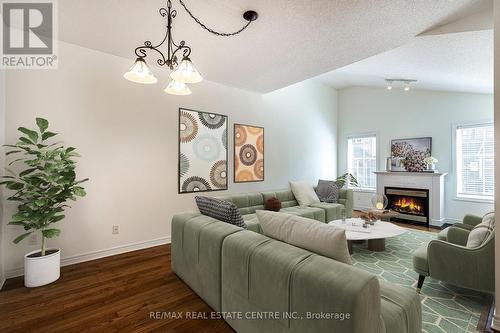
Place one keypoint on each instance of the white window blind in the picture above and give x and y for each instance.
(475, 160)
(362, 160)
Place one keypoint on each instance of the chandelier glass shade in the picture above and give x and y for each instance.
(140, 73)
(186, 72)
(177, 88)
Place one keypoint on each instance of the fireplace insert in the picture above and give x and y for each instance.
(411, 203)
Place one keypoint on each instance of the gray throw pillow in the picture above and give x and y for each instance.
(224, 211)
(328, 191)
(482, 231)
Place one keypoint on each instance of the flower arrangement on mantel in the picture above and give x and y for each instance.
(430, 161)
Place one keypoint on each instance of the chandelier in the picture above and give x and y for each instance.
(183, 72)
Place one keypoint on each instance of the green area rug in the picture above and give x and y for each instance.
(445, 308)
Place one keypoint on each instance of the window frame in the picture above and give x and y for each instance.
(360, 136)
(455, 167)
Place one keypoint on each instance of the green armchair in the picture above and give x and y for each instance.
(452, 262)
(469, 222)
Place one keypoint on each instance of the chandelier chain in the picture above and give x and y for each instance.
(224, 34)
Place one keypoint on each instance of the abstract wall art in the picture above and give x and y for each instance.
(202, 151)
(248, 153)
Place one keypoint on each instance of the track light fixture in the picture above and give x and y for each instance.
(404, 82)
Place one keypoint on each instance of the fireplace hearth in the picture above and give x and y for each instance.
(411, 203)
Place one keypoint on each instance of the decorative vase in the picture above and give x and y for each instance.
(39, 271)
(431, 166)
(388, 164)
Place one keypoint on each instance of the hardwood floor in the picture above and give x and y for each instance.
(486, 319)
(113, 294)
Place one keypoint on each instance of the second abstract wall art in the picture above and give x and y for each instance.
(248, 153)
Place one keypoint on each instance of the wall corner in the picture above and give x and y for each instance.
(496, 41)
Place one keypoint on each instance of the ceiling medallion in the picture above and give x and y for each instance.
(183, 72)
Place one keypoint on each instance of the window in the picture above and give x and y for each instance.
(475, 160)
(362, 160)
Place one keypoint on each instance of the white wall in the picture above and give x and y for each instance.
(2, 142)
(398, 114)
(305, 142)
(127, 136)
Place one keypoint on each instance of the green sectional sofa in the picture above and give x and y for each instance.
(323, 211)
(271, 286)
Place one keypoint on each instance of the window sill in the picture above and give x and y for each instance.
(474, 199)
(363, 190)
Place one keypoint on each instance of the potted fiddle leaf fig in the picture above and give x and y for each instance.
(44, 181)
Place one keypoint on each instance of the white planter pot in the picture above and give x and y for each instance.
(39, 271)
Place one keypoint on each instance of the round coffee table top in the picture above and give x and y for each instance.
(379, 230)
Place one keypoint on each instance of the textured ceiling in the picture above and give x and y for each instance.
(292, 40)
(450, 62)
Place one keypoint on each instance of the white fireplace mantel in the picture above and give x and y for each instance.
(434, 182)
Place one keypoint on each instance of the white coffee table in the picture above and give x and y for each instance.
(376, 237)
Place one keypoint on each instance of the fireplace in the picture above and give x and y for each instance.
(412, 204)
(430, 183)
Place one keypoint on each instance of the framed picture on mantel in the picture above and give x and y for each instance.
(409, 154)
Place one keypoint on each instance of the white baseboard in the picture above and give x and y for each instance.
(362, 208)
(436, 222)
(495, 322)
(2, 281)
(9, 273)
(452, 220)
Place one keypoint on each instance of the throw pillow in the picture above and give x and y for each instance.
(326, 240)
(480, 233)
(221, 210)
(304, 193)
(273, 204)
(328, 191)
